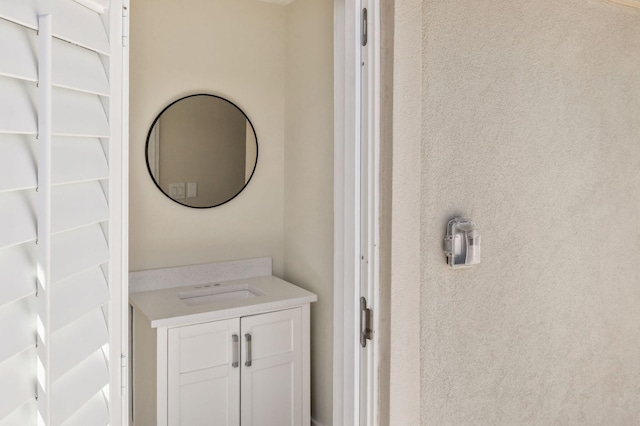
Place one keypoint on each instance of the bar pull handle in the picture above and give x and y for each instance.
(248, 339)
(236, 343)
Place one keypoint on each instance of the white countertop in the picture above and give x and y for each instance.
(164, 308)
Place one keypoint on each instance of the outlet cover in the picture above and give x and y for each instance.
(176, 190)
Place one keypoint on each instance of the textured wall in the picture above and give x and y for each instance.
(231, 48)
(384, 299)
(530, 128)
(404, 349)
(308, 195)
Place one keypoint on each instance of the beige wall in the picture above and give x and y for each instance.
(231, 48)
(308, 200)
(529, 127)
(251, 151)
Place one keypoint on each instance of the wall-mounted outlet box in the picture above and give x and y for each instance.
(462, 243)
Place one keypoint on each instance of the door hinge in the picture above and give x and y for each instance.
(125, 26)
(366, 323)
(364, 27)
(123, 374)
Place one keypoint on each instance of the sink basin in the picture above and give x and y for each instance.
(211, 293)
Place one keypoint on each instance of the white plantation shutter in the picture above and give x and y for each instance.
(18, 224)
(61, 215)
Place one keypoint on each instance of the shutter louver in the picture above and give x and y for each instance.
(77, 205)
(79, 25)
(25, 415)
(55, 284)
(79, 69)
(99, 6)
(78, 250)
(23, 12)
(17, 321)
(78, 387)
(78, 295)
(17, 162)
(16, 207)
(94, 413)
(18, 43)
(17, 266)
(78, 114)
(78, 160)
(17, 106)
(75, 342)
(18, 372)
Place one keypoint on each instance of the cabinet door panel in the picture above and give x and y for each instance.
(203, 386)
(273, 338)
(201, 346)
(272, 386)
(272, 395)
(204, 397)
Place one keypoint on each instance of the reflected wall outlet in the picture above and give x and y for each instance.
(176, 190)
(192, 189)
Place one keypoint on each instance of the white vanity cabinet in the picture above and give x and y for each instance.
(240, 371)
(218, 360)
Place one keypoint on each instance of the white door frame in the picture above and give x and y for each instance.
(347, 211)
(369, 215)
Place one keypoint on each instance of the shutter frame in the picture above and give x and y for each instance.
(58, 159)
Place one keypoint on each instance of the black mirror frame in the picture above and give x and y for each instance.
(146, 150)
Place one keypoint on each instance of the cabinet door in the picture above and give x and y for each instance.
(272, 369)
(203, 384)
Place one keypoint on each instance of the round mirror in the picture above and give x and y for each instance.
(202, 151)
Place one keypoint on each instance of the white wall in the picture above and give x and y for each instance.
(231, 48)
(308, 199)
(529, 127)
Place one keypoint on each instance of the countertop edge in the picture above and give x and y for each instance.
(197, 318)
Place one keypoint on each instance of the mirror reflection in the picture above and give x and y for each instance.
(202, 151)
